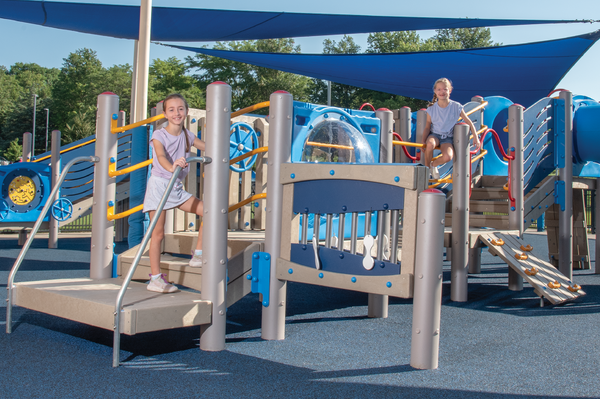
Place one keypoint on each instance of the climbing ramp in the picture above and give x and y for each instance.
(547, 281)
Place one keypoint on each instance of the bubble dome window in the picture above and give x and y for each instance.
(334, 140)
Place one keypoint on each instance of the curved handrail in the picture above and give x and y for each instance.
(110, 214)
(138, 256)
(67, 150)
(248, 155)
(113, 172)
(366, 104)
(246, 201)
(403, 146)
(251, 108)
(34, 230)
(114, 129)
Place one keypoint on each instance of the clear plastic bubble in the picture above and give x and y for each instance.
(334, 140)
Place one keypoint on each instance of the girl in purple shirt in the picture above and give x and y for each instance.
(442, 115)
(171, 146)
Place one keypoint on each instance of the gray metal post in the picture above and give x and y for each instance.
(104, 189)
(597, 216)
(143, 61)
(378, 304)
(461, 180)
(403, 129)
(216, 204)
(565, 175)
(475, 260)
(515, 146)
(26, 147)
(280, 148)
(421, 121)
(55, 162)
(427, 302)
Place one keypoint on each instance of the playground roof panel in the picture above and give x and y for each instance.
(522, 73)
(197, 24)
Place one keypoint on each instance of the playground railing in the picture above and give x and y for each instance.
(251, 108)
(34, 230)
(114, 129)
(138, 256)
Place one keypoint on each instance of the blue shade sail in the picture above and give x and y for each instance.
(523, 73)
(197, 24)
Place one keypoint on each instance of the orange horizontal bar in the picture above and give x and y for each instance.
(111, 212)
(112, 168)
(251, 108)
(248, 155)
(246, 201)
(337, 146)
(137, 124)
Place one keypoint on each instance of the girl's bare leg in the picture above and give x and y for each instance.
(194, 205)
(430, 145)
(446, 156)
(158, 234)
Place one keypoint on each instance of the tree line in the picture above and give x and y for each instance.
(70, 93)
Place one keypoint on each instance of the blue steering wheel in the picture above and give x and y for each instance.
(243, 139)
(62, 209)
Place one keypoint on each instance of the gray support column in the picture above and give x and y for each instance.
(104, 189)
(515, 146)
(26, 147)
(143, 61)
(55, 162)
(403, 128)
(565, 218)
(515, 281)
(280, 145)
(421, 121)
(216, 203)
(378, 304)
(134, 78)
(427, 302)
(597, 216)
(461, 180)
(474, 260)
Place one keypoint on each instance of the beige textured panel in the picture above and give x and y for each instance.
(402, 284)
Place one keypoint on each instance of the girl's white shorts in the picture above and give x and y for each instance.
(155, 189)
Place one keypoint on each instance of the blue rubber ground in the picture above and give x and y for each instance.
(500, 344)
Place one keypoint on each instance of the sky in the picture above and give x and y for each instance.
(48, 46)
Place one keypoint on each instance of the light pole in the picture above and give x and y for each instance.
(47, 120)
(35, 96)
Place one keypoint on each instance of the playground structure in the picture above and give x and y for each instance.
(376, 191)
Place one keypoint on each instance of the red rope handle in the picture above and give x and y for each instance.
(510, 158)
(396, 135)
(365, 104)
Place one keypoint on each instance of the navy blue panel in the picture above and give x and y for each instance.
(345, 196)
(522, 73)
(335, 261)
(193, 24)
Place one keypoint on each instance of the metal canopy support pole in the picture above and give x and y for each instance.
(143, 61)
(516, 208)
(427, 302)
(55, 162)
(378, 304)
(134, 78)
(216, 203)
(597, 222)
(461, 177)
(104, 189)
(27, 147)
(565, 176)
(281, 112)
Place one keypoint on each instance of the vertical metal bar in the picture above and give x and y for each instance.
(55, 162)
(280, 148)
(216, 204)
(565, 175)
(353, 233)
(328, 227)
(341, 233)
(597, 221)
(368, 215)
(304, 238)
(143, 61)
(317, 227)
(394, 215)
(427, 302)
(515, 145)
(461, 177)
(103, 230)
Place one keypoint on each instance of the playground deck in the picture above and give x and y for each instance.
(500, 344)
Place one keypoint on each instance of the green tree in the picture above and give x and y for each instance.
(171, 76)
(464, 38)
(250, 84)
(14, 151)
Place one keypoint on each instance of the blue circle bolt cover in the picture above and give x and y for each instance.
(256, 204)
(247, 224)
(258, 133)
(193, 120)
(332, 172)
(512, 208)
(293, 175)
(310, 127)
(265, 303)
(388, 284)
(320, 275)
(304, 247)
(255, 279)
(110, 203)
(325, 116)
(255, 255)
(382, 264)
(342, 255)
(249, 277)
(112, 159)
(385, 206)
(290, 271)
(115, 116)
(396, 179)
(353, 279)
(305, 210)
(344, 208)
(267, 256)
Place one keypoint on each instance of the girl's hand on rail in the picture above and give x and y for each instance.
(180, 162)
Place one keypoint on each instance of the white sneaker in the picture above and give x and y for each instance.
(435, 173)
(161, 285)
(196, 260)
